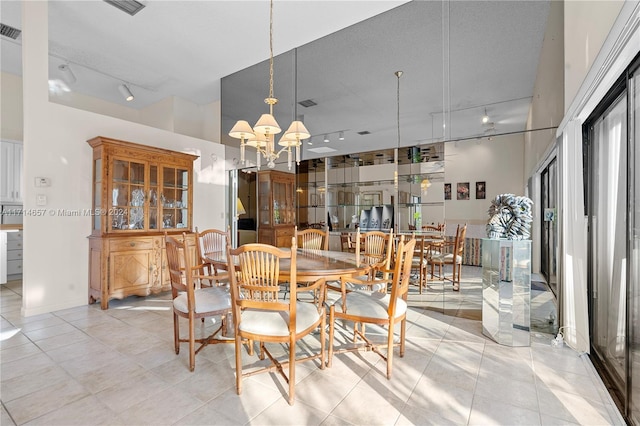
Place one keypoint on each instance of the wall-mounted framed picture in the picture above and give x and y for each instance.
(447, 191)
(463, 190)
(481, 190)
(341, 198)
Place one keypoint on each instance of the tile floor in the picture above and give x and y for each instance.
(85, 366)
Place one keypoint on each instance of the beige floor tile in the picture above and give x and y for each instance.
(23, 366)
(255, 398)
(131, 390)
(489, 411)
(163, 408)
(5, 418)
(281, 413)
(19, 351)
(32, 381)
(109, 375)
(448, 401)
(370, 405)
(85, 411)
(417, 416)
(514, 392)
(324, 391)
(572, 407)
(45, 400)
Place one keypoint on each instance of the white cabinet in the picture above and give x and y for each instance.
(11, 172)
(14, 255)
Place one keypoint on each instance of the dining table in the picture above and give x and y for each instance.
(313, 264)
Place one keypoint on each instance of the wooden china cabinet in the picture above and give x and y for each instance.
(139, 193)
(276, 207)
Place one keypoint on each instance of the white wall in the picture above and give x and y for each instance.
(11, 107)
(56, 248)
(547, 104)
(586, 26)
(499, 163)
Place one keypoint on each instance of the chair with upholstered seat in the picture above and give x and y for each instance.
(313, 239)
(375, 249)
(382, 309)
(450, 253)
(192, 302)
(260, 316)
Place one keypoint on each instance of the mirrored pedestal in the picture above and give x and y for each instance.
(506, 291)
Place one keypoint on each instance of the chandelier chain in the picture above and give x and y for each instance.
(271, 55)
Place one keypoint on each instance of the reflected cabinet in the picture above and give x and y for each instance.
(139, 193)
(400, 189)
(276, 207)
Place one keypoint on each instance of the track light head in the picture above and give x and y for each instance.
(125, 92)
(485, 117)
(67, 74)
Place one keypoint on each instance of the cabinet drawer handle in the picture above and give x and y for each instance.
(132, 244)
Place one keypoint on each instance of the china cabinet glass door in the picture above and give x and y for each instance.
(174, 198)
(127, 195)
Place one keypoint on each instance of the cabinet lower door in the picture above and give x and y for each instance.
(130, 273)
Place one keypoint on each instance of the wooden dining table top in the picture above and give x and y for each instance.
(314, 264)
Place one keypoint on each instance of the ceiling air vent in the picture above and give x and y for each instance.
(10, 32)
(364, 132)
(307, 103)
(129, 6)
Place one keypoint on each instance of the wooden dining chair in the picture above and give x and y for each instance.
(437, 228)
(420, 259)
(345, 242)
(191, 302)
(260, 316)
(450, 253)
(313, 239)
(382, 309)
(212, 244)
(374, 249)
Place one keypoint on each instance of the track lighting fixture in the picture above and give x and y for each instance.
(125, 92)
(341, 136)
(326, 138)
(485, 117)
(67, 74)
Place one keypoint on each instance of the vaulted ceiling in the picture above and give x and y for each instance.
(459, 58)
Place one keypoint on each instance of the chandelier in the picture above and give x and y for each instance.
(262, 135)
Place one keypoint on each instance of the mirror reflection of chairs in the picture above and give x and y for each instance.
(375, 249)
(193, 302)
(381, 309)
(260, 316)
(450, 253)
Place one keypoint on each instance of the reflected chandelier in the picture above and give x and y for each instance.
(262, 136)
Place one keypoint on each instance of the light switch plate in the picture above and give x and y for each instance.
(41, 200)
(42, 181)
